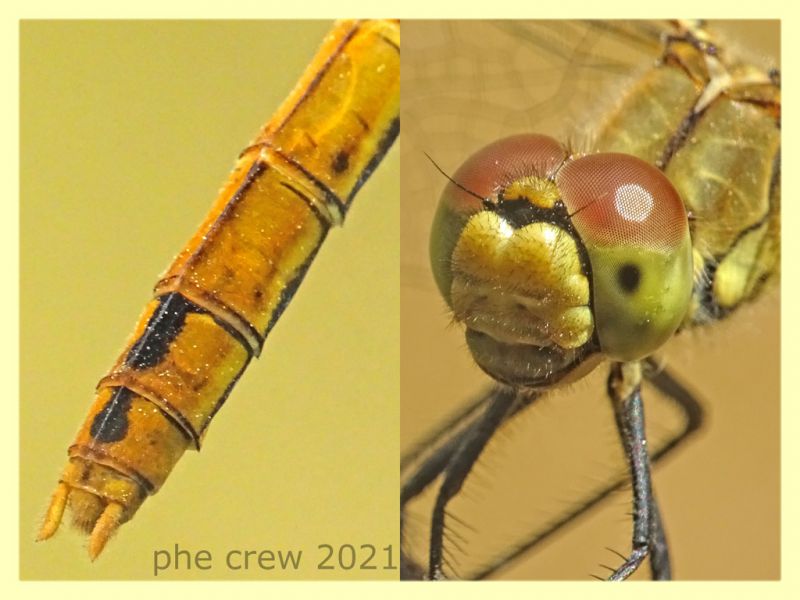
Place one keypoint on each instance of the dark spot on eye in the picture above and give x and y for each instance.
(341, 161)
(629, 277)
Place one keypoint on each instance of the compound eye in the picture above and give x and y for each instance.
(528, 157)
(494, 167)
(634, 227)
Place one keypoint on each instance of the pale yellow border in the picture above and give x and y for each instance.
(788, 587)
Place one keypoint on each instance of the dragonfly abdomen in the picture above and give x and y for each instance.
(216, 303)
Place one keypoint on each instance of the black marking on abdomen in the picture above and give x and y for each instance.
(386, 141)
(162, 328)
(223, 397)
(289, 290)
(325, 222)
(111, 423)
(390, 42)
(340, 162)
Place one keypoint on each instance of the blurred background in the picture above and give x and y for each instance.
(465, 84)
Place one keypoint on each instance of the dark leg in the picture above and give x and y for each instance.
(659, 558)
(444, 442)
(668, 385)
(459, 466)
(453, 434)
(624, 389)
(689, 406)
(660, 567)
(436, 462)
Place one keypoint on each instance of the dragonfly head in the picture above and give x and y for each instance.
(553, 262)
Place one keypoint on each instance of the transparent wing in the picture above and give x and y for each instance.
(466, 84)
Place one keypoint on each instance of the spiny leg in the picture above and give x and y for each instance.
(459, 466)
(660, 567)
(436, 462)
(676, 392)
(429, 468)
(624, 390)
(692, 412)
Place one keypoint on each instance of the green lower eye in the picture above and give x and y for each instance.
(633, 225)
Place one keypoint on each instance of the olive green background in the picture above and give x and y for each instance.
(128, 129)
(720, 494)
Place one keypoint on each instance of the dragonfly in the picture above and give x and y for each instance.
(331, 358)
(468, 84)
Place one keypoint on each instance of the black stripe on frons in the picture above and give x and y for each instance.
(386, 141)
(162, 328)
(111, 423)
(289, 290)
(748, 229)
(223, 397)
(519, 213)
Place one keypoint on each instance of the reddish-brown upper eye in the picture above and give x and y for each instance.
(486, 172)
(618, 199)
(500, 163)
(633, 225)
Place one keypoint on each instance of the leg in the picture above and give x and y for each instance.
(447, 440)
(473, 442)
(624, 389)
(692, 411)
(668, 385)
(659, 549)
(444, 442)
